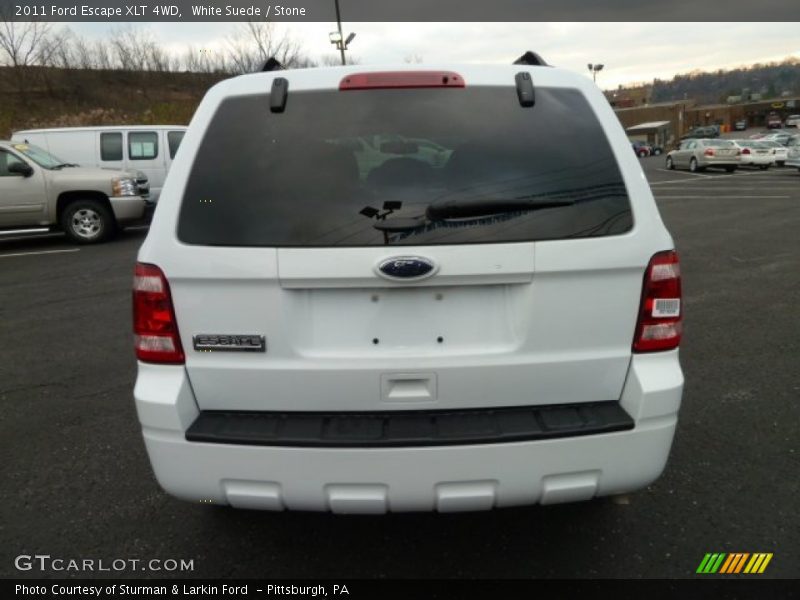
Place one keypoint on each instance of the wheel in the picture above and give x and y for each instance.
(780, 163)
(642, 154)
(670, 164)
(657, 151)
(763, 167)
(693, 165)
(730, 169)
(87, 221)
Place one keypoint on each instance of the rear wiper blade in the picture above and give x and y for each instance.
(480, 207)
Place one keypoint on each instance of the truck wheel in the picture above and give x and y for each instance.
(87, 221)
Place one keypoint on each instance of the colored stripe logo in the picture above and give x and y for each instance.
(734, 563)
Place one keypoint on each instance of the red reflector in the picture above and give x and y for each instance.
(401, 80)
(155, 329)
(659, 324)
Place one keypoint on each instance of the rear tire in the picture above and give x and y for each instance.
(763, 167)
(730, 169)
(642, 154)
(657, 152)
(87, 221)
(693, 165)
(780, 163)
(670, 164)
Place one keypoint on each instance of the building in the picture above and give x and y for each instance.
(683, 115)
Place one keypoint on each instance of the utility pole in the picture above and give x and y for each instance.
(339, 27)
(337, 37)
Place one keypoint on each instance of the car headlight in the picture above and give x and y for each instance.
(124, 186)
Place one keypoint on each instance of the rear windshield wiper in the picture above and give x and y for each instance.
(480, 207)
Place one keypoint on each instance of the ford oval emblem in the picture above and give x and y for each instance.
(406, 268)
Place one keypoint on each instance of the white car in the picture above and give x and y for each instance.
(779, 151)
(793, 152)
(755, 153)
(494, 329)
(793, 121)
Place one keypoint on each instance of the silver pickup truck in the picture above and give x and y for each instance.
(38, 189)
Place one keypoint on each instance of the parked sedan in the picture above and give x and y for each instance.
(641, 149)
(781, 138)
(702, 132)
(698, 155)
(778, 150)
(755, 153)
(793, 121)
(793, 149)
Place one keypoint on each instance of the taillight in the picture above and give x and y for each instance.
(401, 80)
(659, 324)
(746, 151)
(154, 326)
(709, 152)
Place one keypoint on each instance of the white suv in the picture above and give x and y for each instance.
(329, 317)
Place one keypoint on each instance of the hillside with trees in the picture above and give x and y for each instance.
(771, 80)
(51, 77)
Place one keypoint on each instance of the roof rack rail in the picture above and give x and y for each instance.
(532, 59)
(272, 64)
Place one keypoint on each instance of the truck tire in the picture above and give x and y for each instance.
(87, 221)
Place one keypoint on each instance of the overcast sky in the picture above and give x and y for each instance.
(631, 52)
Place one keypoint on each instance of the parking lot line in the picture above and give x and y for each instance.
(729, 197)
(759, 175)
(687, 173)
(39, 252)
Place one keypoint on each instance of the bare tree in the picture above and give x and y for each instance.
(255, 42)
(103, 55)
(58, 50)
(21, 43)
(133, 49)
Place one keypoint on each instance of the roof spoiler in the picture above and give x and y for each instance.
(272, 64)
(532, 59)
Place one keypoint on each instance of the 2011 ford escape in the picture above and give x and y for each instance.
(369, 291)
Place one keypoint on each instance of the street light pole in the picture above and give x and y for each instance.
(339, 26)
(594, 69)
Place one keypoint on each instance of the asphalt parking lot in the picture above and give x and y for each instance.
(77, 483)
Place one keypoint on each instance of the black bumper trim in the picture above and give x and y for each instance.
(408, 428)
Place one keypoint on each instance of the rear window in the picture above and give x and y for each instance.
(719, 143)
(403, 167)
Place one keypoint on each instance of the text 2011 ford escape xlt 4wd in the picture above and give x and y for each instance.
(391, 290)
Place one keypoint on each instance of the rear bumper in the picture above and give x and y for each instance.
(719, 162)
(421, 478)
(127, 208)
